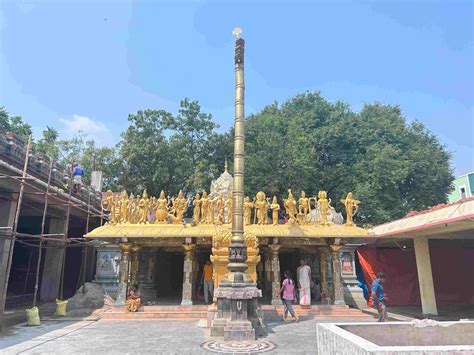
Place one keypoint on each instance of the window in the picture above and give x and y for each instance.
(462, 190)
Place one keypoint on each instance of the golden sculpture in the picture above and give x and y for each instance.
(131, 208)
(162, 203)
(303, 203)
(324, 206)
(220, 209)
(248, 206)
(179, 208)
(228, 204)
(211, 204)
(204, 207)
(143, 207)
(123, 213)
(261, 208)
(196, 209)
(108, 204)
(351, 208)
(275, 207)
(290, 206)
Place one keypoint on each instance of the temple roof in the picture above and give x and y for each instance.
(187, 230)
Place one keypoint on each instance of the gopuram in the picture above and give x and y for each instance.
(162, 243)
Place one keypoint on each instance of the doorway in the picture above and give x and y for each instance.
(169, 277)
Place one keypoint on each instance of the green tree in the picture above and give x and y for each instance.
(48, 144)
(311, 144)
(14, 124)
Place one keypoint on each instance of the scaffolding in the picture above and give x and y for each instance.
(53, 196)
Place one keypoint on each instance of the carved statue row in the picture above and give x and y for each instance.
(208, 209)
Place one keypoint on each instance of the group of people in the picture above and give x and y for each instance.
(290, 291)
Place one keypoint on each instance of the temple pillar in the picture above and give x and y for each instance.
(323, 270)
(336, 276)
(188, 274)
(135, 264)
(268, 273)
(275, 275)
(124, 274)
(147, 284)
(425, 276)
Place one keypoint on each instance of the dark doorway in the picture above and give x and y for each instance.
(169, 277)
(290, 260)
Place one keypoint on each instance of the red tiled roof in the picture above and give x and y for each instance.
(437, 207)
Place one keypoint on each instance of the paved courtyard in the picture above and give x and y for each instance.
(142, 337)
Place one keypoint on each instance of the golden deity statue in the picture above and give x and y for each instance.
(204, 207)
(290, 206)
(143, 207)
(324, 206)
(108, 204)
(351, 208)
(261, 208)
(131, 208)
(196, 208)
(275, 207)
(220, 209)
(248, 206)
(179, 208)
(228, 204)
(303, 203)
(211, 204)
(124, 207)
(162, 203)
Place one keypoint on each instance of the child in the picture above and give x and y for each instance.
(288, 290)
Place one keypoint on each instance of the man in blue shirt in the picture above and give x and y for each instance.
(378, 296)
(77, 173)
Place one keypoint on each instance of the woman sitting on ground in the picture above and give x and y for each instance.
(133, 299)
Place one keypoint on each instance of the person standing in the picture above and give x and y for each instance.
(304, 283)
(288, 295)
(207, 277)
(378, 296)
(77, 173)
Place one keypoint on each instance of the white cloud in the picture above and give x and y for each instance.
(93, 129)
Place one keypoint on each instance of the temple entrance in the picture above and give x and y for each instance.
(169, 277)
(290, 260)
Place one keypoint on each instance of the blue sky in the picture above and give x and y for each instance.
(87, 65)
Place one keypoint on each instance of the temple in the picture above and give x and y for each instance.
(162, 243)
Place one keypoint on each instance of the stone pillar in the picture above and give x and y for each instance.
(135, 264)
(7, 216)
(53, 259)
(336, 276)
(268, 273)
(188, 274)
(425, 276)
(124, 271)
(275, 263)
(107, 268)
(323, 270)
(147, 285)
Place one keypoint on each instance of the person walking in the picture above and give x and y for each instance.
(288, 295)
(378, 296)
(207, 277)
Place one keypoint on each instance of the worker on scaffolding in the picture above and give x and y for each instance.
(77, 174)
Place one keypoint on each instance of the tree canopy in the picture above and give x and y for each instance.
(306, 144)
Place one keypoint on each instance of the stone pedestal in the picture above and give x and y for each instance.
(124, 274)
(107, 268)
(353, 294)
(336, 276)
(188, 274)
(236, 312)
(275, 274)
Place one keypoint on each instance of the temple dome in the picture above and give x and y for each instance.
(223, 184)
